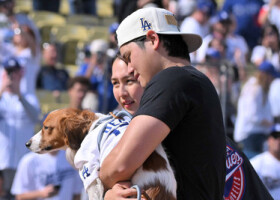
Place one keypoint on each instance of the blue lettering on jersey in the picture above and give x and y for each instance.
(145, 25)
(85, 172)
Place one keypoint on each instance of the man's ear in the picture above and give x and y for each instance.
(154, 38)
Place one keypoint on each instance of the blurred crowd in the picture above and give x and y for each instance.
(240, 54)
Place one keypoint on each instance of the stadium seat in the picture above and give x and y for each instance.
(82, 19)
(98, 32)
(105, 8)
(23, 6)
(69, 31)
(70, 39)
(45, 20)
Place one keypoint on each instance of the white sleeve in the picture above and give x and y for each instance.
(258, 53)
(274, 97)
(24, 177)
(87, 158)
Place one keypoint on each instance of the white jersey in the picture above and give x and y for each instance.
(98, 144)
(16, 128)
(36, 171)
(268, 169)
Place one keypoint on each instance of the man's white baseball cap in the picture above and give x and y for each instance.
(159, 20)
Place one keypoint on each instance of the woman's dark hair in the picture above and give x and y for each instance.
(268, 29)
(174, 44)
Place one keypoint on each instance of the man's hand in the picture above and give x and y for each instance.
(48, 191)
(121, 191)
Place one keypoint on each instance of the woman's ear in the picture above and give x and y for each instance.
(153, 37)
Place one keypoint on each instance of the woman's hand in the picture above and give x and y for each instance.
(121, 191)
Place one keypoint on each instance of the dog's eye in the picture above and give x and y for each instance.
(46, 127)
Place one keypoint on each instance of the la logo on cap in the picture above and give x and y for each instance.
(145, 24)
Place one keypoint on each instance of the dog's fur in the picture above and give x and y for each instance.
(66, 129)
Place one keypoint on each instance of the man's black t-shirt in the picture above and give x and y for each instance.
(185, 100)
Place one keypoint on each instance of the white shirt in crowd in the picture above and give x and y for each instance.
(262, 53)
(268, 169)
(16, 128)
(251, 111)
(274, 97)
(36, 171)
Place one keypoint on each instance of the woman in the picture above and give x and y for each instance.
(26, 51)
(127, 91)
(269, 49)
(254, 117)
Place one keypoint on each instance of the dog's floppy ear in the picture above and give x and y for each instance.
(75, 125)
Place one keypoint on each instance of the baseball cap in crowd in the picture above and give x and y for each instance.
(221, 16)
(275, 131)
(213, 53)
(11, 64)
(113, 27)
(159, 20)
(267, 67)
(98, 46)
(206, 6)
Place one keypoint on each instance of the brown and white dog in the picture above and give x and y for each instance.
(67, 128)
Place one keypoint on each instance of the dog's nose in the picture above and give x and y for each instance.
(28, 144)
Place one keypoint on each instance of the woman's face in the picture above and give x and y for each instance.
(20, 38)
(127, 90)
(270, 39)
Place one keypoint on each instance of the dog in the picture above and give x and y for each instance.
(68, 128)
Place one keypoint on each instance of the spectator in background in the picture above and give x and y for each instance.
(222, 28)
(83, 7)
(26, 52)
(198, 22)
(254, 117)
(46, 5)
(274, 98)
(50, 76)
(46, 176)
(14, 20)
(270, 13)
(100, 98)
(267, 164)
(113, 44)
(269, 49)
(184, 9)
(77, 88)
(245, 13)
(19, 112)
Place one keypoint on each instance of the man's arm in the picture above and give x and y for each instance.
(140, 139)
(46, 192)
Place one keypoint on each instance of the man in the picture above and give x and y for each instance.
(198, 21)
(19, 113)
(267, 164)
(46, 176)
(50, 76)
(77, 89)
(179, 108)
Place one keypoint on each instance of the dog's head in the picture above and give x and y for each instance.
(61, 129)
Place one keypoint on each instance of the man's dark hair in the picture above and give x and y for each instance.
(78, 79)
(174, 44)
